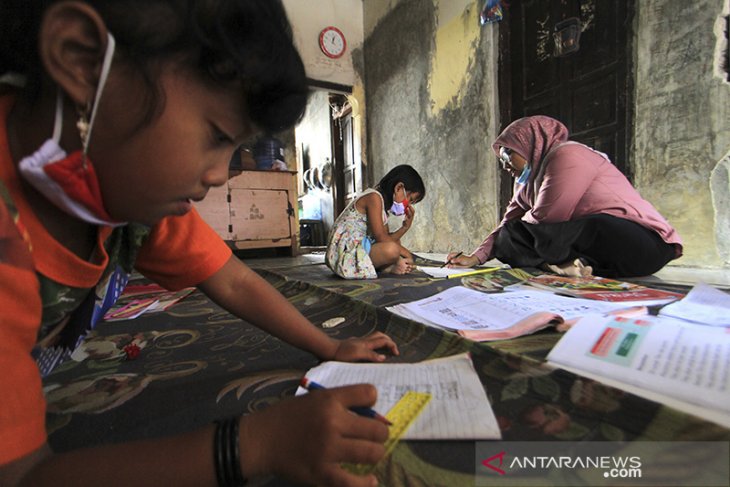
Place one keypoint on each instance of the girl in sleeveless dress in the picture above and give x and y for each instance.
(360, 243)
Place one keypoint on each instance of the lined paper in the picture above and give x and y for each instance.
(459, 408)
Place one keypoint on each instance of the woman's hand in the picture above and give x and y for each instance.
(355, 349)
(461, 260)
(306, 438)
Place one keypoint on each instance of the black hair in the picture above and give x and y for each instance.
(400, 174)
(223, 41)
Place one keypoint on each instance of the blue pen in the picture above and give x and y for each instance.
(310, 385)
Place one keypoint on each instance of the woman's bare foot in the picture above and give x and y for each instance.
(571, 269)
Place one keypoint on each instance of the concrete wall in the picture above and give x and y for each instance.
(430, 91)
(429, 73)
(682, 123)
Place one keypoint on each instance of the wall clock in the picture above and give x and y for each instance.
(332, 42)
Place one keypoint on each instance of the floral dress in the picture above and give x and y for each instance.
(346, 255)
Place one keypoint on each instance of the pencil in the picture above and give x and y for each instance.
(449, 261)
(310, 385)
(471, 273)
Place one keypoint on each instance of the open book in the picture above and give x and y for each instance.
(459, 408)
(684, 365)
(602, 289)
(480, 316)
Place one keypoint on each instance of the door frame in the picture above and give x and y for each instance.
(506, 109)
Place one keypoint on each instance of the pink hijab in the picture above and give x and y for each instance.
(532, 138)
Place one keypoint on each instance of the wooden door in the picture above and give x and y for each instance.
(587, 89)
(348, 179)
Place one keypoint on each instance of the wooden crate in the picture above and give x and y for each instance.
(256, 209)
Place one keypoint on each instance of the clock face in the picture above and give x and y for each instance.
(332, 42)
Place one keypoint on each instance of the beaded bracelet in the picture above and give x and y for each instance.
(227, 454)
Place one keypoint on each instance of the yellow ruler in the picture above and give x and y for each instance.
(402, 415)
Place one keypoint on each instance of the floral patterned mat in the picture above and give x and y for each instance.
(182, 368)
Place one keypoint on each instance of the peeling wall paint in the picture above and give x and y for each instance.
(721, 62)
(449, 144)
(453, 55)
(682, 120)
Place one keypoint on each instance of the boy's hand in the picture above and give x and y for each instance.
(354, 349)
(305, 438)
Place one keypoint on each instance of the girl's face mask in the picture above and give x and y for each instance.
(69, 181)
(398, 208)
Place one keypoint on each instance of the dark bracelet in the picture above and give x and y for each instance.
(227, 454)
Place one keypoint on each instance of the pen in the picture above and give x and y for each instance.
(471, 273)
(449, 261)
(310, 385)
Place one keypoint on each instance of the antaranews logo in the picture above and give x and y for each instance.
(612, 466)
(488, 462)
(601, 463)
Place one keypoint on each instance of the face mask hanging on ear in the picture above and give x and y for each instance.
(69, 181)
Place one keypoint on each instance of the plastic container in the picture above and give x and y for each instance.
(267, 150)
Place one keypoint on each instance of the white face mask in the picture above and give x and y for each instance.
(398, 209)
(69, 181)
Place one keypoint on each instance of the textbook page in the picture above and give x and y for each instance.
(461, 308)
(458, 410)
(703, 304)
(686, 362)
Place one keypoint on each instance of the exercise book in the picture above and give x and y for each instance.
(458, 409)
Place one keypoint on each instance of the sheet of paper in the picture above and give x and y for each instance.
(443, 271)
(460, 308)
(459, 408)
(684, 361)
(703, 304)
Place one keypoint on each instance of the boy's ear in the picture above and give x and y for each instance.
(72, 42)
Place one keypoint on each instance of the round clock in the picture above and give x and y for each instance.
(332, 42)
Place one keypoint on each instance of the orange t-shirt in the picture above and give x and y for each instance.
(22, 413)
(179, 252)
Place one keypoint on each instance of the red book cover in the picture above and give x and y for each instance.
(600, 288)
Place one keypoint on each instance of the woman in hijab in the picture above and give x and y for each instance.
(572, 211)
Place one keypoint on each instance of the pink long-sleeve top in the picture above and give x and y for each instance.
(569, 181)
